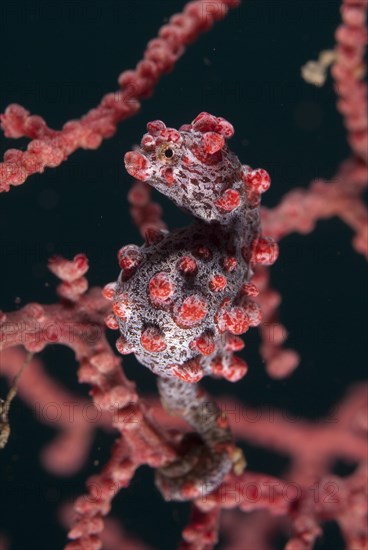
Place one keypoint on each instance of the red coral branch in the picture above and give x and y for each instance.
(49, 148)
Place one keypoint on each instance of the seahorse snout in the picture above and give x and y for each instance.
(137, 165)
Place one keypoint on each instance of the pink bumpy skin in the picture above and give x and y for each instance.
(181, 300)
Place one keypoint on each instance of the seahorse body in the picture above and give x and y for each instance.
(183, 298)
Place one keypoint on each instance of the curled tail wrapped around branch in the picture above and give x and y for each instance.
(205, 463)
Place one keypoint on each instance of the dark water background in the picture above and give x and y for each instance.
(58, 59)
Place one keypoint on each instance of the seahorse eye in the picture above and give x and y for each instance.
(165, 152)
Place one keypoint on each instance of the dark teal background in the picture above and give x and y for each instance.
(58, 59)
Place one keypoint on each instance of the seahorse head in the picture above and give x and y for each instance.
(193, 166)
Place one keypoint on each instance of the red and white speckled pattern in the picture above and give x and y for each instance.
(182, 295)
(183, 298)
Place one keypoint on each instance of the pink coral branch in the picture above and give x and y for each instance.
(55, 406)
(301, 209)
(279, 362)
(348, 72)
(305, 509)
(78, 322)
(146, 215)
(113, 536)
(49, 148)
(202, 530)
